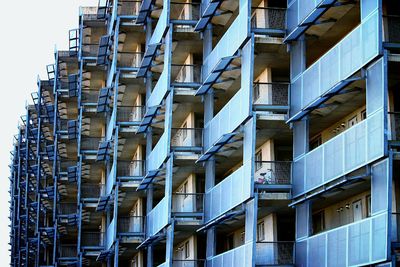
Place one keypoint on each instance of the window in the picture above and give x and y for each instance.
(242, 236)
(229, 242)
(187, 250)
(357, 210)
(258, 160)
(185, 189)
(363, 114)
(260, 231)
(318, 221)
(352, 122)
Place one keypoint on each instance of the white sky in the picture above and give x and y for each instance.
(29, 32)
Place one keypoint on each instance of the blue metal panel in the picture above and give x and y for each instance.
(207, 15)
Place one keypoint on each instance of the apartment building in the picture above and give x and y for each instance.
(213, 133)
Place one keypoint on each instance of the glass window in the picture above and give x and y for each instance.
(368, 206)
(187, 250)
(315, 142)
(318, 220)
(258, 160)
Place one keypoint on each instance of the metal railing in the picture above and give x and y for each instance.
(185, 11)
(186, 73)
(394, 123)
(131, 224)
(90, 50)
(187, 202)
(275, 253)
(130, 59)
(90, 143)
(67, 208)
(130, 113)
(134, 168)
(187, 137)
(268, 18)
(188, 263)
(128, 8)
(90, 96)
(392, 28)
(273, 172)
(91, 190)
(272, 94)
(92, 239)
(68, 251)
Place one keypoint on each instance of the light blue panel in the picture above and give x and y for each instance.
(337, 253)
(375, 86)
(370, 37)
(302, 220)
(110, 234)
(333, 158)
(375, 144)
(301, 254)
(367, 7)
(314, 168)
(329, 68)
(350, 53)
(379, 238)
(316, 251)
(300, 138)
(237, 257)
(292, 15)
(230, 42)
(111, 180)
(306, 7)
(355, 146)
(297, 55)
(111, 124)
(380, 187)
(298, 176)
(157, 217)
(359, 242)
(238, 183)
(159, 153)
(162, 24)
(229, 117)
(160, 90)
(311, 84)
(295, 97)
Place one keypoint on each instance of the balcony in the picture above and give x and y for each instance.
(157, 218)
(91, 192)
(271, 97)
(131, 226)
(391, 23)
(129, 61)
(129, 170)
(188, 206)
(186, 75)
(395, 227)
(239, 256)
(128, 8)
(130, 115)
(67, 252)
(90, 145)
(275, 253)
(187, 139)
(67, 208)
(272, 173)
(269, 21)
(394, 126)
(185, 13)
(92, 240)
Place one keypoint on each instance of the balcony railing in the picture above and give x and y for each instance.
(274, 253)
(268, 18)
(128, 8)
(92, 239)
(187, 137)
(134, 168)
(271, 94)
(131, 224)
(68, 251)
(185, 11)
(394, 122)
(90, 50)
(392, 32)
(91, 143)
(91, 190)
(129, 59)
(188, 263)
(187, 202)
(67, 208)
(273, 172)
(90, 96)
(186, 74)
(130, 113)
(395, 227)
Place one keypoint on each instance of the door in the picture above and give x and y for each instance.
(357, 210)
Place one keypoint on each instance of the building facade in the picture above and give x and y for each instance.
(214, 133)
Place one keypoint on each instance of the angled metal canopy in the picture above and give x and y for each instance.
(148, 56)
(221, 142)
(207, 15)
(148, 179)
(215, 73)
(144, 11)
(148, 117)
